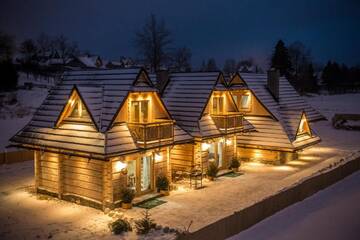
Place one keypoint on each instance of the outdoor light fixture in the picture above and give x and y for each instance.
(121, 167)
(158, 157)
(205, 146)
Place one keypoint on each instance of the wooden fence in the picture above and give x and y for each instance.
(16, 156)
(249, 216)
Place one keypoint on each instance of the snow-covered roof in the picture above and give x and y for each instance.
(186, 96)
(280, 130)
(103, 93)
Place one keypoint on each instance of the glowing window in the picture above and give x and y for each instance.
(245, 102)
(140, 111)
(79, 110)
(304, 126)
(218, 105)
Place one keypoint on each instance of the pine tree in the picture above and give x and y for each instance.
(281, 60)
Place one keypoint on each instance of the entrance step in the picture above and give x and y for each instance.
(143, 198)
(223, 172)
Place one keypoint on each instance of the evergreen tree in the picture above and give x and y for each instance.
(281, 60)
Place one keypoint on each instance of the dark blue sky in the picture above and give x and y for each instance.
(219, 29)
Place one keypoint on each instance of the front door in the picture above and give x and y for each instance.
(216, 153)
(139, 175)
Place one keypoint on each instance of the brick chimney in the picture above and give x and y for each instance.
(162, 78)
(273, 85)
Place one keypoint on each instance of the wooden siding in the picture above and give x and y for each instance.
(46, 170)
(83, 177)
(181, 157)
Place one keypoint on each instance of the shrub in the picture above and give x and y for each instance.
(234, 163)
(119, 226)
(127, 195)
(212, 170)
(162, 182)
(145, 224)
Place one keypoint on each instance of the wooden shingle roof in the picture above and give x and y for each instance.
(102, 92)
(278, 132)
(186, 96)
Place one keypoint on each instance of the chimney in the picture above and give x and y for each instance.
(273, 77)
(162, 78)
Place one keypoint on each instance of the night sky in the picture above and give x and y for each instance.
(219, 29)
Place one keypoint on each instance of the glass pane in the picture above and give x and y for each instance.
(131, 174)
(215, 103)
(135, 111)
(145, 173)
(79, 110)
(211, 151)
(221, 104)
(245, 101)
(144, 111)
(220, 154)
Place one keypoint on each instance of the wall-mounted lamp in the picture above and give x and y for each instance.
(158, 157)
(121, 167)
(205, 146)
(228, 142)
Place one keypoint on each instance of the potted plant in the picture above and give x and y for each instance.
(212, 171)
(162, 184)
(235, 164)
(127, 195)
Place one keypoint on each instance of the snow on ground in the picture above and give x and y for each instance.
(330, 214)
(14, 117)
(328, 105)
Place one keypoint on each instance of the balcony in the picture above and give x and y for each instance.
(229, 122)
(152, 134)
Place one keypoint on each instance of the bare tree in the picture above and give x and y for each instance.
(153, 41)
(299, 56)
(182, 59)
(29, 52)
(65, 48)
(7, 47)
(46, 46)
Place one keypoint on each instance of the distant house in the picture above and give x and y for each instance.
(122, 63)
(100, 131)
(85, 62)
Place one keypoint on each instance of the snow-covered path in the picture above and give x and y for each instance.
(331, 214)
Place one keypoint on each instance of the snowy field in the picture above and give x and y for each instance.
(332, 214)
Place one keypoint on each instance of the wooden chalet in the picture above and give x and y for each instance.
(202, 105)
(279, 114)
(99, 131)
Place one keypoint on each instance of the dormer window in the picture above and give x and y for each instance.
(243, 100)
(75, 111)
(304, 128)
(79, 111)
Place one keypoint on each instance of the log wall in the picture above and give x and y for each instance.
(181, 157)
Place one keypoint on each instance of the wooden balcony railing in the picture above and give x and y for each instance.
(229, 122)
(146, 134)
